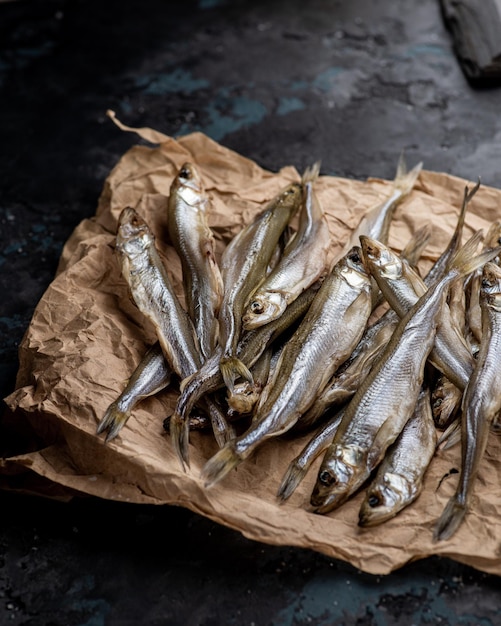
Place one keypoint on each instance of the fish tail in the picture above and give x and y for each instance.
(179, 435)
(466, 261)
(450, 520)
(468, 195)
(451, 436)
(292, 477)
(311, 173)
(220, 464)
(405, 180)
(113, 421)
(232, 368)
(418, 242)
(223, 432)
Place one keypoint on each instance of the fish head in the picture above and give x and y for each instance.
(384, 499)
(264, 308)
(490, 288)
(342, 471)
(244, 396)
(352, 268)
(379, 259)
(188, 185)
(133, 234)
(291, 196)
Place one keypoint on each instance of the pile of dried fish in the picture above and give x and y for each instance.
(296, 344)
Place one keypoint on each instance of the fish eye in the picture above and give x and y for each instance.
(373, 501)
(326, 478)
(185, 173)
(355, 257)
(257, 307)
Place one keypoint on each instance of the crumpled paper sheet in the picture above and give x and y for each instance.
(86, 337)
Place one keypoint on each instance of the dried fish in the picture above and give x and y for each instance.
(304, 261)
(194, 242)
(151, 376)
(399, 478)
(243, 267)
(326, 337)
(482, 401)
(385, 400)
(153, 294)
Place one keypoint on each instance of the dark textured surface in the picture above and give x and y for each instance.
(280, 82)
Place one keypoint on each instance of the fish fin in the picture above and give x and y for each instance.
(465, 261)
(179, 435)
(113, 421)
(450, 520)
(311, 173)
(451, 436)
(405, 180)
(291, 479)
(231, 368)
(418, 242)
(220, 464)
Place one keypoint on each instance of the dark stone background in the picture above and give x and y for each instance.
(282, 82)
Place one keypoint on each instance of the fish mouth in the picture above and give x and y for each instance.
(373, 517)
(370, 249)
(325, 503)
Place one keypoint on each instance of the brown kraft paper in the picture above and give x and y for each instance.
(86, 337)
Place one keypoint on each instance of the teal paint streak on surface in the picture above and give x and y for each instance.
(14, 246)
(327, 79)
(177, 81)
(210, 4)
(330, 600)
(287, 105)
(299, 85)
(227, 114)
(427, 49)
(97, 608)
(125, 107)
(12, 323)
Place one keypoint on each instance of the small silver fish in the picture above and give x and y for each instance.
(194, 242)
(482, 401)
(399, 478)
(326, 337)
(151, 376)
(153, 294)
(304, 261)
(243, 267)
(386, 398)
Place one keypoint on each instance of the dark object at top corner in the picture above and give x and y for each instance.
(476, 30)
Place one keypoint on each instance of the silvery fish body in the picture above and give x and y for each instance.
(481, 403)
(151, 376)
(243, 267)
(327, 335)
(386, 399)
(402, 287)
(153, 294)
(194, 242)
(303, 261)
(399, 478)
